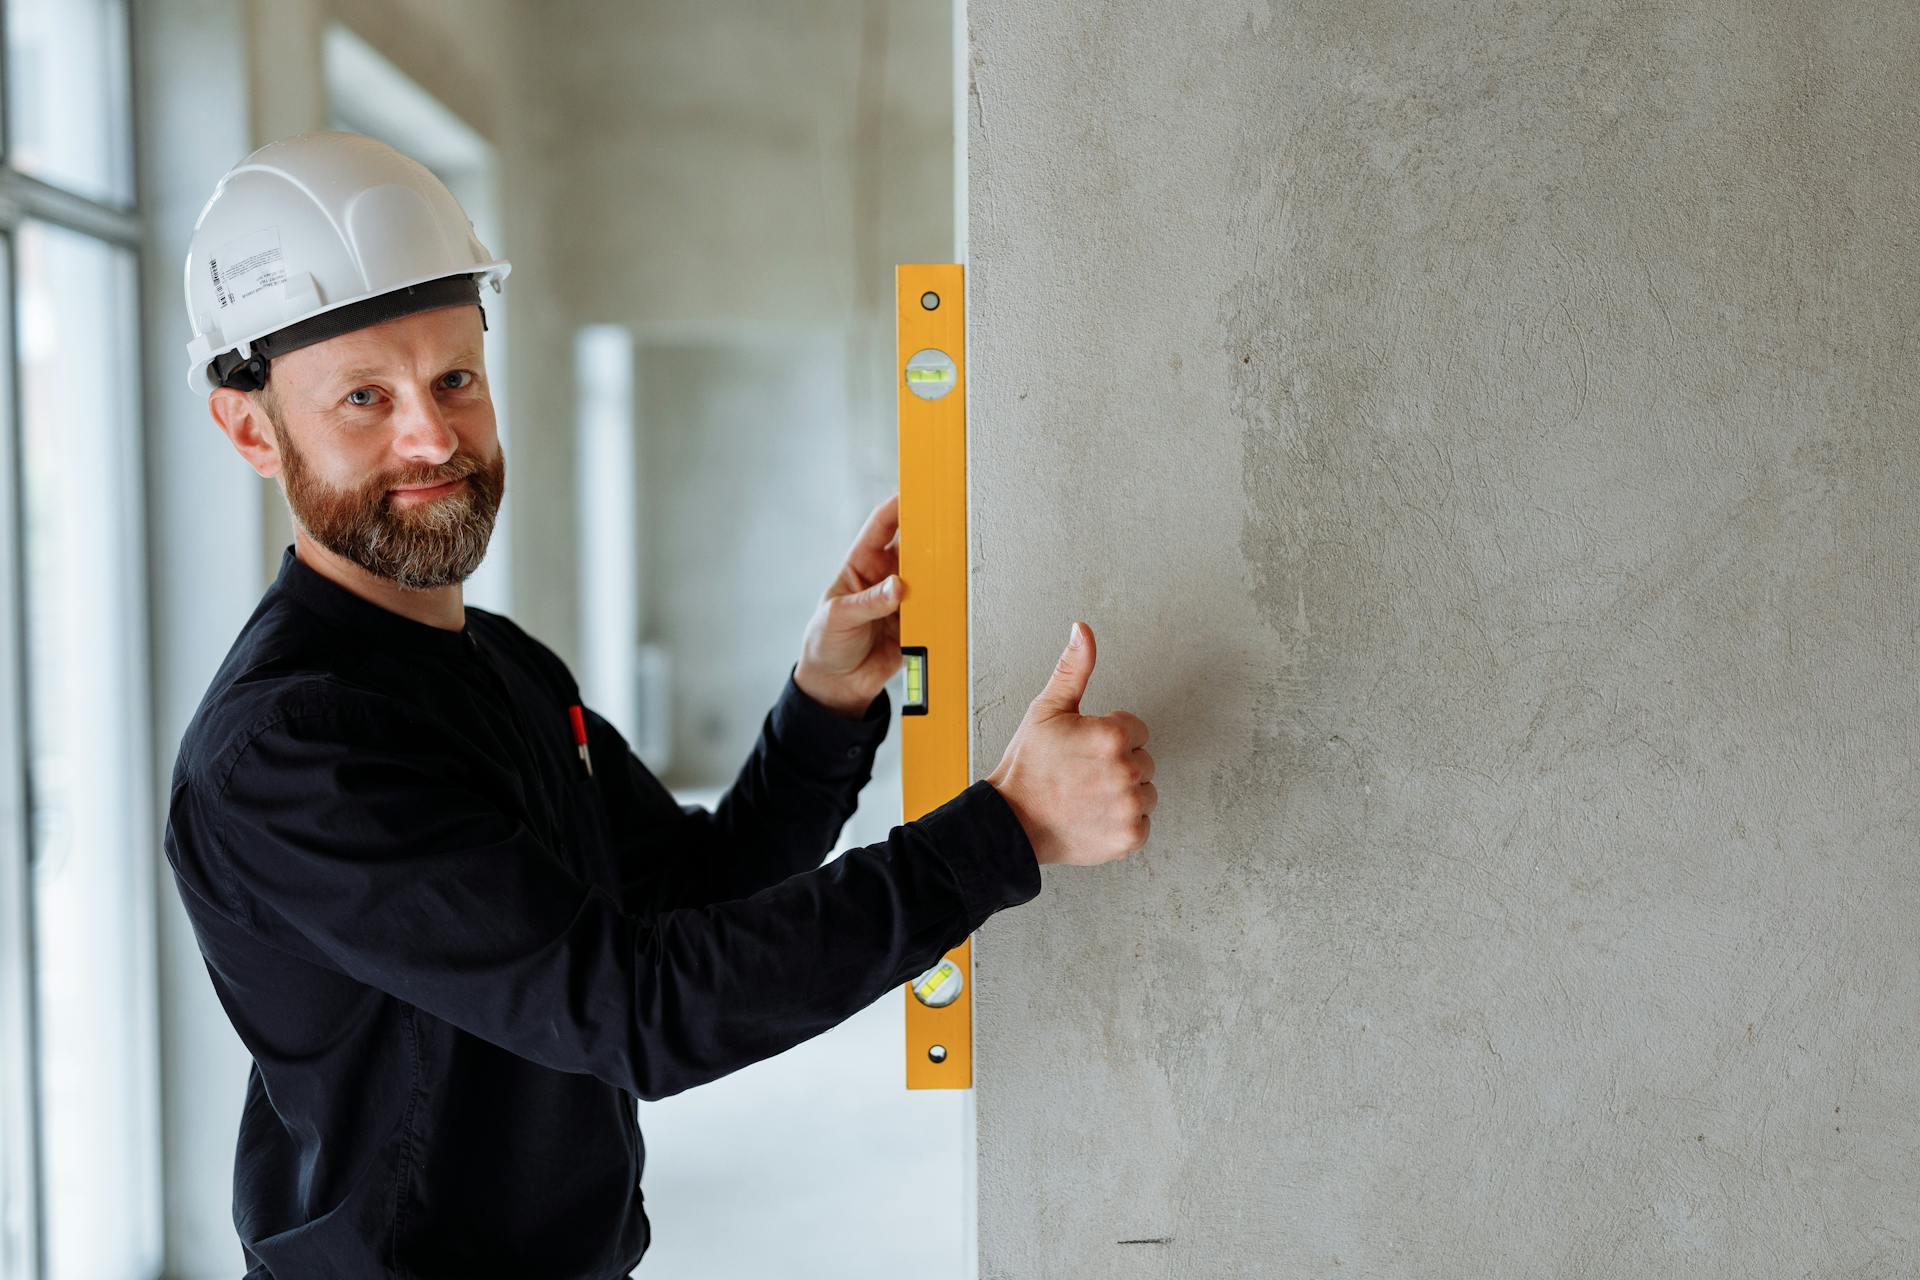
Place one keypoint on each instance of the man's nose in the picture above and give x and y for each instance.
(421, 430)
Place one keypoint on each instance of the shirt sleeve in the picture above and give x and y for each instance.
(784, 810)
(405, 871)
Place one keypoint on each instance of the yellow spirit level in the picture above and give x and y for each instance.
(933, 627)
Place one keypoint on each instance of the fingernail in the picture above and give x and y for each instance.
(1073, 636)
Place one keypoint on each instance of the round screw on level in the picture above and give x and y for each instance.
(930, 300)
(937, 1053)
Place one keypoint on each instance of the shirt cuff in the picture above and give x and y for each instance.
(980, 838)
(827, 744)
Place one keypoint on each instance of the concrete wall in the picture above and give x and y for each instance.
(734, 184)
(204, 507)
(1482, 440)
(746, 494)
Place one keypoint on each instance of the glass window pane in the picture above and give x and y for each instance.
(67, 91)
(91, 836)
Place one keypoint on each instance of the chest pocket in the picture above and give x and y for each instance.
(588, 834)
(571, 805)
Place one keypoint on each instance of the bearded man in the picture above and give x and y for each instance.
(458, 925)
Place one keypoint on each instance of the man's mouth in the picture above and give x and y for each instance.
(427, 493)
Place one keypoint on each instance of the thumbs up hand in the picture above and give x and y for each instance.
(1082, 786)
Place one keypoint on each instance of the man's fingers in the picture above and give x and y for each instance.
(858, 608)
(874, 556)
(1144, 762)
(1136, 727)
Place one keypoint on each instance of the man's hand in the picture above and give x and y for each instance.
(1082, 786)
(852, 645)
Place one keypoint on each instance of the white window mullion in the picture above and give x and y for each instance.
(19, 1144)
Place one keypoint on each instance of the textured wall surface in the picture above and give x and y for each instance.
(745, 493)
(1482, 439)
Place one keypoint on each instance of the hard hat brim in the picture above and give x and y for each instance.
(248, 372)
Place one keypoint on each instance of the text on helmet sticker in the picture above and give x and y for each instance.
(245, 266)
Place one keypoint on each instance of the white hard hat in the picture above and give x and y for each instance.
(315, 235)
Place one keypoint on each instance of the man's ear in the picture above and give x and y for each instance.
(244, 422)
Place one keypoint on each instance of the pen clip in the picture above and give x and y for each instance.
(579, 721)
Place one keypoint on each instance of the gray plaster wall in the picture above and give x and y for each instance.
(1482, 440)
(749, 505)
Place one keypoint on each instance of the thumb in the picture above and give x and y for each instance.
(1070, 674)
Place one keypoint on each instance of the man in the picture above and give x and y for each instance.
(457, 923)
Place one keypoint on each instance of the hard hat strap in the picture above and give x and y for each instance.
(230, 369)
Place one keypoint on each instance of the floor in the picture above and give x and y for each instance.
(818, 1163)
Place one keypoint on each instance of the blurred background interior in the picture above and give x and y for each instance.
(703, 203)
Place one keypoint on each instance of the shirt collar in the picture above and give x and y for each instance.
(334, 602)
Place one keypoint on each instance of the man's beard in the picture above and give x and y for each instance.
(418, 545)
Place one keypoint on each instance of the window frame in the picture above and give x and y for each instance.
(25, 199)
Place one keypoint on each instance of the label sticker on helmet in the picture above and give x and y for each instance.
(245, 266)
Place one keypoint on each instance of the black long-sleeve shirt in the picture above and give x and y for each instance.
(457, 959)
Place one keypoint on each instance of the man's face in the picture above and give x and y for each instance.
(389, 453)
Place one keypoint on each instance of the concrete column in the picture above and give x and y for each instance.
(204, 511)
(1482, 441)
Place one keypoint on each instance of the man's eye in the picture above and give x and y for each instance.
(361, 391)
(466, 374)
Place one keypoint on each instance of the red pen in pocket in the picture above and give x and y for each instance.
(580, 737)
